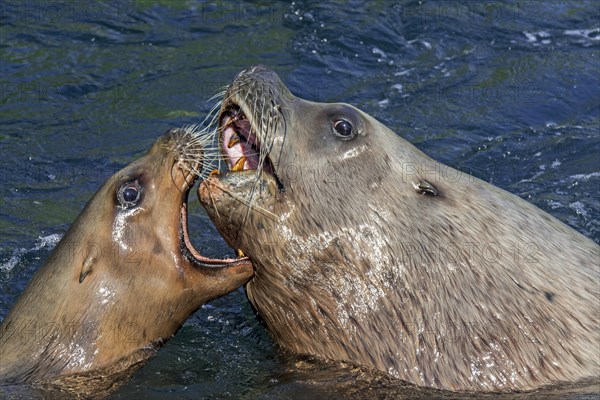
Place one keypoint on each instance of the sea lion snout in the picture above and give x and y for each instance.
(259, 73)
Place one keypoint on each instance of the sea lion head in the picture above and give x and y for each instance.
(299, 200)
(289, 158)
(299, 172)
(367, 250)
(138, 220)
(123, 279)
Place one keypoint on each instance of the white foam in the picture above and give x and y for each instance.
(579, 208)
(47, 241)
(530, 37)
(405, 72)
(378, 51)
(586, 33)
(554, 204)
(43, 242)
(585, 177)
(541, 36)
(13, 260)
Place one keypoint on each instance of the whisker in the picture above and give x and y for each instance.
(263, 117)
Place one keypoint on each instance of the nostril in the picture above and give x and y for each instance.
(258, 68)
(255, 69)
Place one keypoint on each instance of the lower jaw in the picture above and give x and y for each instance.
(235, 204)
(240, 181)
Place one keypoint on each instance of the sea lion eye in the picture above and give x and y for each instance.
(343, 129)
(129, 194)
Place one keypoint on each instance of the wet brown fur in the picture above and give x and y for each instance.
(103, 303)
(471, 290)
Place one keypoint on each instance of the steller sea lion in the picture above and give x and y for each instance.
(122, 280)
(366, 250)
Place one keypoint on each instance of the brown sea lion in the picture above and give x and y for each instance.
(122, 280)
(368, 251)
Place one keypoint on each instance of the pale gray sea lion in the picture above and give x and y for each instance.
(121, 282)
(367, 250)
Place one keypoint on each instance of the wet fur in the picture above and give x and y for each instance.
(101, 305)
(471, 290)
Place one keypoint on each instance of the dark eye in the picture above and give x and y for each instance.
(343, 129)
(129, 194)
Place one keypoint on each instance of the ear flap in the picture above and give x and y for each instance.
(88, 263)
(86, 269)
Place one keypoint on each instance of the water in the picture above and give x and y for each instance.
(508, 91)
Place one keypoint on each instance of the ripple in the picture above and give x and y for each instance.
(43, 242)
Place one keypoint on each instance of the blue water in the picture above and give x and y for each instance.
(508, 91)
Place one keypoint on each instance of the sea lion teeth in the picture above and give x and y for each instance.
(226, 122)
(235, 139)
(239, 164)
(240, 253)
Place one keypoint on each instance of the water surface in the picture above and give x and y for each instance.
(507, 91)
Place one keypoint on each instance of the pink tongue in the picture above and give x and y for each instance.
(242, 148)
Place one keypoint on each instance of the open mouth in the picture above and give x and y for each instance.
(240, 143)
(187, 248)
